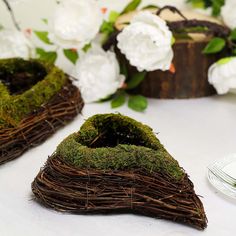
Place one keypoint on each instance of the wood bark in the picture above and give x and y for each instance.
(190, 79)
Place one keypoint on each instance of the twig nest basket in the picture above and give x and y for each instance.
(115, 164)
(37, 98)
(188, 77)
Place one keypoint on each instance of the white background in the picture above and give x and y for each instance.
(196, 132)
(29, 12)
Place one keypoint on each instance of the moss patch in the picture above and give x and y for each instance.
(25, 86)
(117, 142)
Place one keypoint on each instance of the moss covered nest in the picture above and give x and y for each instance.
(25, 86)
(117, 142)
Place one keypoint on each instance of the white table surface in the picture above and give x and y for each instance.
(196, 132)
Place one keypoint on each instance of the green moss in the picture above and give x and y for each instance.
(39, 82)
(117, 142)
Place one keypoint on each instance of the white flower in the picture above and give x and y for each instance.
(98, 74)
(14, 44)
(228, 13)
(222, 75)
(146, 42)
(75, 23)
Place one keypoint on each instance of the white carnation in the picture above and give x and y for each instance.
(98, 74)
(14, 44)
(146, 42)
(222, 75)
(228, 13)
(75, 23)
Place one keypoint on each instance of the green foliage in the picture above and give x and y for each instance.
(71, 55)
(216, 5)
(136, 79)
(173, 40)
(113, 16)
(182, 36)
(184, 33)
(134, 146)
(133, 5)
(13, 108)
(150, 7)
(87, 47)
(196, 29)
(123, 69)
(107, 27)
(224, 60)
(49, 56)
(233, 35)
(118, 100)
(214, 46)
(197, 3)
(45, 21)
(43, 36)
(138, 103)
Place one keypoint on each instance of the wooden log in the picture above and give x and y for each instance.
(190, 79)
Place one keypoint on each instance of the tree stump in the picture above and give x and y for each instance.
(190, 79)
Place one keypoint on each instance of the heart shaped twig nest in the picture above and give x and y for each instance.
(115, 164)
(37, 98)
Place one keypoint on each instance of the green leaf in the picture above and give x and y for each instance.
(173, 40)
(71, 55)
(196, 29)
(214, 46)
(1, 27)
(216, 7)
(234, 52)
(197, 3)
(107, 27)
(49, 56)
(150, 6)
(123, 69)
(113, 16)
(224, 60)
(132, 6)
(87, 47)
(233, 35)
(105, 99)
(45, 21)
(136, 80)
(118, 101)
(43, 36)
(178, 36)
(138, 103)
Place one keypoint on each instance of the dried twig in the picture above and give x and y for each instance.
(12, 14)
(173, 9)
(69, 189)
(39, 125)
(211, 27)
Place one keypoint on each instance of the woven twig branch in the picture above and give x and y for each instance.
(41, 124)
(67, 189)
(8, 6)
(125, 169)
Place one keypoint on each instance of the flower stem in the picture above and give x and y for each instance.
(12, 14)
